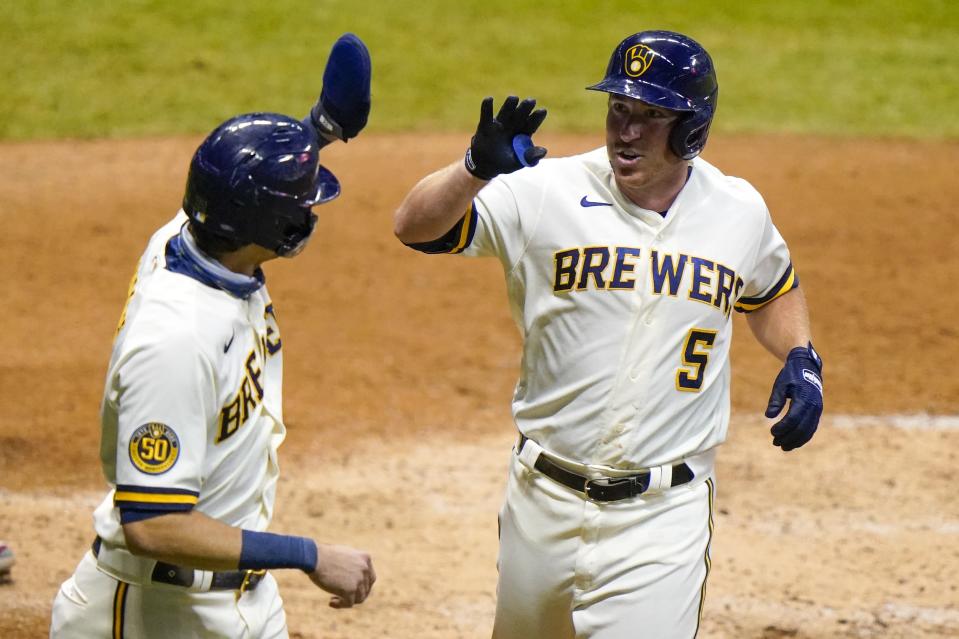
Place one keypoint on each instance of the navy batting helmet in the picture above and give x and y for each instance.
(255, 179)
(671, 71)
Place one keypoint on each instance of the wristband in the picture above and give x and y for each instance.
(261, 550)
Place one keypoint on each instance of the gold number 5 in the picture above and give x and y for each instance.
(689, 378)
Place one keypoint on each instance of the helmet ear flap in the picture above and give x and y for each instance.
(688, 136)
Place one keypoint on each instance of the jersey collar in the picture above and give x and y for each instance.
(185, 257)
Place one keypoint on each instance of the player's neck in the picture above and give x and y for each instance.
(658, 195)
(246, 259)
(236, 265)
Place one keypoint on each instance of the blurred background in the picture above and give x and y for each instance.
(74, 68)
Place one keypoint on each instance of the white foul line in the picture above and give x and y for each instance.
(912, 421)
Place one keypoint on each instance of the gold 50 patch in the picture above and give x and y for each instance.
(154, 448)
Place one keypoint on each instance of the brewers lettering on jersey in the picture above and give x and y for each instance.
(623, 266)
(192, 410)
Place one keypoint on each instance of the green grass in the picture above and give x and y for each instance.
(81, 68)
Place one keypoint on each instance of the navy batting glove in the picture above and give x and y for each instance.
(343, 108)
(800, 381)
(503, 144)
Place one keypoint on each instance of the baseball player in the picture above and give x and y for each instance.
(192, 411)
(622, 267)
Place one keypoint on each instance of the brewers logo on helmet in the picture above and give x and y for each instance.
(638, 59)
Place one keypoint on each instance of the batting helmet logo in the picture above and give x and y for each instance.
(637, 60)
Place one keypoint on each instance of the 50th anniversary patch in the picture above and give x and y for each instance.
(154, 448)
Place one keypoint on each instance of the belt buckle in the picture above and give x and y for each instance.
(594, 488)
(250, 579)
(588, 488)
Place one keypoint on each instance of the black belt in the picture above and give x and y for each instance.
(164, 573)
(607, 488)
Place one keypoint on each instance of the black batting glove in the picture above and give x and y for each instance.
(503, 144)
(800, 381)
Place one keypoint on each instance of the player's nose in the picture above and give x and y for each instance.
(631, 129)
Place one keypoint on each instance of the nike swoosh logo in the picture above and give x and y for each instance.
(230, 343)
(586, 203)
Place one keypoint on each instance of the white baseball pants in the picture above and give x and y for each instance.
(570, 568)
(94, 605)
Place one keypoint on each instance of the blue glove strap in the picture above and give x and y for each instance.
(522, 142)
(806, 365)
(806, 352)
(266, 550)
(803, 364)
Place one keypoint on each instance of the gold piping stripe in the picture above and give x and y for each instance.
(119, 604)
(706, 559)
(154, 498)
(464, 231)
(785, 289)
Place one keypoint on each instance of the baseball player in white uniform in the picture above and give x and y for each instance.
(622, 267)
(192, 412)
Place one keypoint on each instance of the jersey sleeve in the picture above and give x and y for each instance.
(772, 274)
(165, 397)
(492, 225)
(454, 240)
(499, 225)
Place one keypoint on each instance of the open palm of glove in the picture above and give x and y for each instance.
(799, 382)
(503, 144)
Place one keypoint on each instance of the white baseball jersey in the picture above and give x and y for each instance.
(626, 321)
(191, 417)
(192, 410)
(625, 313)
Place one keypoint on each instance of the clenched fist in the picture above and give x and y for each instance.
(344, 572)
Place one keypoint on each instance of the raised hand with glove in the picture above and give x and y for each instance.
(431, 217)
(799, 382)
(503, 144)
(343, 107)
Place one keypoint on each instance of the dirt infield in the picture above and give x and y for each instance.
(399, 369)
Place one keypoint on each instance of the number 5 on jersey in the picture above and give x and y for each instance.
(699, 342)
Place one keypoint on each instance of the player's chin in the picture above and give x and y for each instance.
(630, 177)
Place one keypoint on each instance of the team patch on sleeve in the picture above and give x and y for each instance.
(151, 498)
(786, 283)
(455, 240)
(154, 448)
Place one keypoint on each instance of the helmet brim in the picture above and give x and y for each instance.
(327, 187)
(645, 91)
